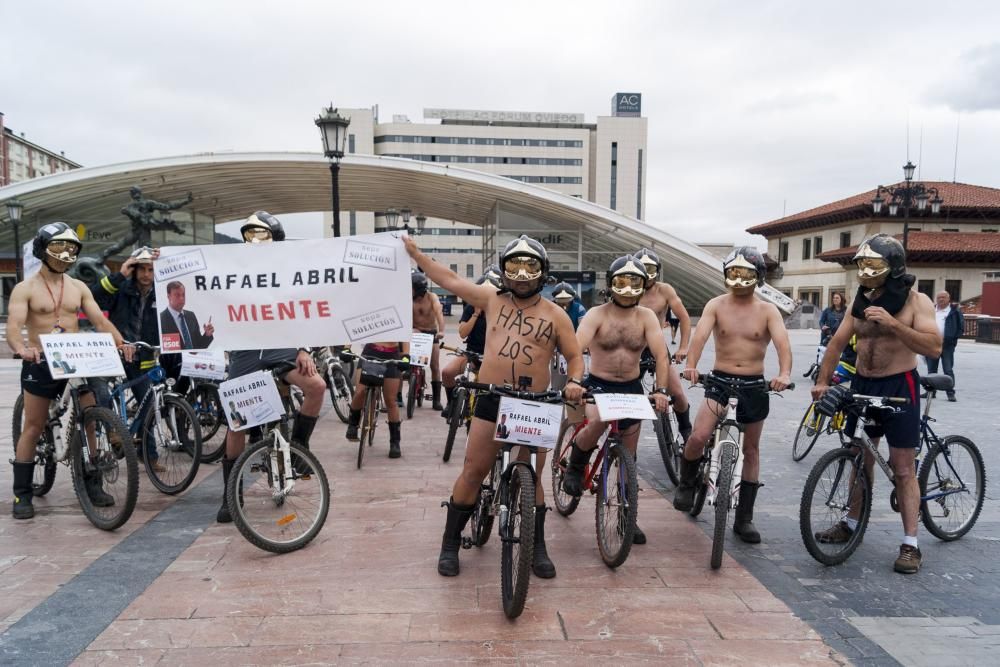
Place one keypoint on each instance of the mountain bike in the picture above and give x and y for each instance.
(45, 462)
(338, 381)
(372, 377)
(203, 397)
(417, 386)
(612, 477)
(463, 402)
(952, 479)
(509, 494)
(668, 433)
(278, 492)
(814, 423)
(721, 467)
(168, 433)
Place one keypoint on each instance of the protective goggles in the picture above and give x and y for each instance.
(257, 235)
(63, 250)
(628, 284)
(522, 268)
(651, 271)
(740, 276)
(872, 267)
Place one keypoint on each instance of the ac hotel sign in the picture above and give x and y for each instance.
(504, 116)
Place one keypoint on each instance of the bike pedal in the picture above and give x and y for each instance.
(466, 542)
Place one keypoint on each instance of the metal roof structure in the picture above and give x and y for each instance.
(228, 186)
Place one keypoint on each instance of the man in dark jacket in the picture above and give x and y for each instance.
(951, 324)
(130, 301)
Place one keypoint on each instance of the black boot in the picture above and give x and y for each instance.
(449, 394)
(684, 423)
(684, 495)
(572, 482)
(394, 452)
(223, 515)
(353, 420)
(95, 490)
(541, 565)
(458, 516)
(638, 537)
(302, 430)
(24, 473)
(743, 524)
(436, 394)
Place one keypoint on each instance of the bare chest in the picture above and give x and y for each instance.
(49, 300)
(742, 326)
(616, 335)
(519, 335)
(656, 302)
(423, 311)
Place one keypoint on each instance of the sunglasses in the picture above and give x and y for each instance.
(522, 268)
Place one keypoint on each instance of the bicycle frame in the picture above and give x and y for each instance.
(724, 436)
(508, 465)
(611, 439)
(280, 447)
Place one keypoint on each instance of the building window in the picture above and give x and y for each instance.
(988, 230)
(614, 176)
(809, 295)
(926, 287)
(354, 223)
(954, 288)
(806, 248)
(469, 271)
(817, 245)
(350, 143)
(638, 191)
(952, 229)
(845, 239)
(783, 251)
(453, 267)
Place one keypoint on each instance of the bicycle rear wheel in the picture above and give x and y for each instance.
(812, 425)
(669, 451)
(45, 464)
(208, 407)
(341, 391)
(455, 419)
(415, 387)
(518, 536)
(482, 515)
(279, 520)
(723, 498)
(953, 480)
(106, 480)
(174, 442)
(835, 482)
(617, 506)
(565, 503)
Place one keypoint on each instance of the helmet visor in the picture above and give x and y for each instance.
(651, 271)
(872, 267)
(627, 284)
(740, 276)
(65, 251)
(257, 235)
(522, 268)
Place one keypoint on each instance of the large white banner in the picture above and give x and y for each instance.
(352, 290)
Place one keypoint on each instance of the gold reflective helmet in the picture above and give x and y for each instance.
(143, 255)
(523, 262)
(57, 243)
(879, 258)
(626, 279)
(743, 269)
(262, 227)
(651, 262)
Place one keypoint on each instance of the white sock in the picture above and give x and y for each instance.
(912, 541)
(851, 523)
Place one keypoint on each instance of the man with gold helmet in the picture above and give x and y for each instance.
(742, 326)
(894, 323)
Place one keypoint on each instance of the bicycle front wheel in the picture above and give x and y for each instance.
(171, 445)
(341, 391)
(565, 503)
(105, 471)
(617, 506)
(455, 419)
(45, 463)
(669, 451)
(268, 513)
(953, 485)
(518, 536)
(812, 425)
(723, 498)
(836, 484)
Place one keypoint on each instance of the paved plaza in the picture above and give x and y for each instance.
(174, 587)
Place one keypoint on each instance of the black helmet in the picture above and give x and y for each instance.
(264, 221)
(649, 258)
(889, 258)
(626, 281)
(528, 249)
(563, 291)
(55, 231)
(419, 282)
(492, 276)
(744, 257)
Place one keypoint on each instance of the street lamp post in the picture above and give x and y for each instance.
(421, 223)
(333, 128)
(14, 209)
(906, 195)
(391, 219)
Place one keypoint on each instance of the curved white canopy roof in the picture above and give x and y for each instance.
(232, 185)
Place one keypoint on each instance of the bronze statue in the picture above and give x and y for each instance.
(140, 211)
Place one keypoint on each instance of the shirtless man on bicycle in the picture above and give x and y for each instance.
(45, 303)
(523, 331)
(894, 323)
(617, 333)
(294, 366)
(662, 298)
(742, 326)
(428, 318)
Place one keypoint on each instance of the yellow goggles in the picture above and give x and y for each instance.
(627, 281)
(651, 270)
(872, 266)
(58, 248)
(257, 235)
(522, 268)
(741, 273)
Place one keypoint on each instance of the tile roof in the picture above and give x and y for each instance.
(958, 197)
(966, 247)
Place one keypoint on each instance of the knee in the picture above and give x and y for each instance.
(314, 385)
(904, 470)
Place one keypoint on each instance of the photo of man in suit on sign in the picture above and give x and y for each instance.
(182, 325)
(61, 367)
(502, 430)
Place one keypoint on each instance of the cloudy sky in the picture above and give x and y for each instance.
(753, 107)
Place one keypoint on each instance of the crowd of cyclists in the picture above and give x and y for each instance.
(518, 333)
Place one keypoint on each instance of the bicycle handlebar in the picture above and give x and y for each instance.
(507, 390)
(739, 385)
(462, 352)
(142, 345)
(346, 355)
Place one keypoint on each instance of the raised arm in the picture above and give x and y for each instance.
(477, 295)
(779, 335)
(681, 313)
(701, 333)
(466, 326)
